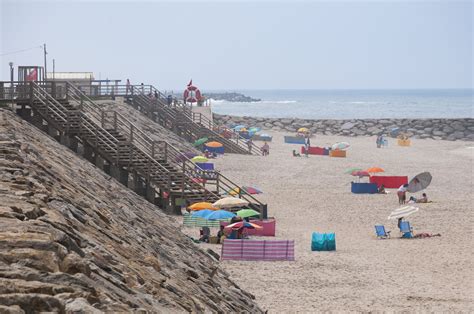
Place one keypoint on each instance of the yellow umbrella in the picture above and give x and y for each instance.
(303, 130)
(199, 159)
(201, 206)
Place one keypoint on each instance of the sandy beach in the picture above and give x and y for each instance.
(365, 273)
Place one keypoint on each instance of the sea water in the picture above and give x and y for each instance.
(352, 104)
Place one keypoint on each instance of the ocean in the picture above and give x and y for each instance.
(352, 104)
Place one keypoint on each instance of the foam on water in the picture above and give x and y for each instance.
(353, 104)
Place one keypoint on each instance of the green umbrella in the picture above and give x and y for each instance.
(351, 170)
(247, 212)
(200, 141)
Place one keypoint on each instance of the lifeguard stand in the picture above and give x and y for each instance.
(30, 73)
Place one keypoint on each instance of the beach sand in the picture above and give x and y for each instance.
(365, 273)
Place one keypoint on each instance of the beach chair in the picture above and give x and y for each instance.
(406, 230)
(381, 232)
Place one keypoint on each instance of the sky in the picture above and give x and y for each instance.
(232, 45)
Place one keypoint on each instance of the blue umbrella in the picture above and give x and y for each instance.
(239, 127)
(202, 213)
(220, 215)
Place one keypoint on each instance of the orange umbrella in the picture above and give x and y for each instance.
(375, 169)
(213, 144)
(201, 206)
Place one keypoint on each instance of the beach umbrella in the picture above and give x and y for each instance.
(303, 130)
(247, 189)
(201, 206)
(228, 202)
(374, 170)
(200, 141)
(243, 224)
(403, 212)
(213, 144)
(202, 213)
(199, 159)
(394, 132)
(340, 146)
(419, 182)
(351, 170)
(254, 129)
(239, 127)
(360, 174)
(219, 215)
(247, 212)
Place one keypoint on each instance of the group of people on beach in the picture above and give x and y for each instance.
(401, 192)
(205, 232)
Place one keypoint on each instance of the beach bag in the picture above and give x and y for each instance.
(323, 242)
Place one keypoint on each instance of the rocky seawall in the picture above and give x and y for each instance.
(438, 129)
(74, 240)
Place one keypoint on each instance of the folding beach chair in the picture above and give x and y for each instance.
(381, 233)
(406, 230)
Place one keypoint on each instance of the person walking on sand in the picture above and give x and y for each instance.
(265, 149)
(249, 145)
(307, 144)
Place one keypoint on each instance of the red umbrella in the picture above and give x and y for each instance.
(360, 174)
(243, 224)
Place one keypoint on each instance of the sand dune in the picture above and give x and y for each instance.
(364, 274)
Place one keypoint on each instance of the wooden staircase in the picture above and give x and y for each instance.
(122, 144)
(179, 118)
(196, 184)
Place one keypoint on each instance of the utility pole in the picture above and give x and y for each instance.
(45, 68)
(54, 69)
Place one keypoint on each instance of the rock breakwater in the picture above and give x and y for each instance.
(438, 129)
(72, 239)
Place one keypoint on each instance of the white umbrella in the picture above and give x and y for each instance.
(403, 212)
(228, 202)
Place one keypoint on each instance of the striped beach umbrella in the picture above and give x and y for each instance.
(403, 212)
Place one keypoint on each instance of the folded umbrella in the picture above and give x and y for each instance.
(419, 182)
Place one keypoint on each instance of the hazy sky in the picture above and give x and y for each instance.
(248, 45)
